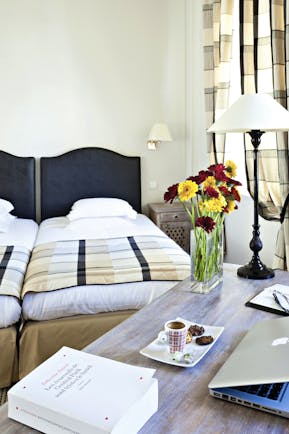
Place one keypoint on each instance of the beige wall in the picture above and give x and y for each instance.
(95, 73)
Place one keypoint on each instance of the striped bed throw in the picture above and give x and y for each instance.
(64, 264)
(13, 263)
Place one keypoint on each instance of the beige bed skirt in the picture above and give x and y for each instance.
(40, 339)
(8, 356)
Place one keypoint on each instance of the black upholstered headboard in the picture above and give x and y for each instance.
(84, 173)
(17, 183)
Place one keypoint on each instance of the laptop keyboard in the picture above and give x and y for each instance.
(270, 391)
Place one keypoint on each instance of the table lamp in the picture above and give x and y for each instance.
(254, 114)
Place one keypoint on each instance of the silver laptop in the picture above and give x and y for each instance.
(257, 372)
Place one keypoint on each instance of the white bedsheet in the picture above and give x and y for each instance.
(92, 299)
(59, 228)
(10, 310)
(21, 232)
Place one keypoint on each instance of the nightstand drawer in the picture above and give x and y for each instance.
(172, 216)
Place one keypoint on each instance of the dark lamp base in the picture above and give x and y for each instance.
(255, 271)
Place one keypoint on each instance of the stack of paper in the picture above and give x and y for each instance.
(76, 392)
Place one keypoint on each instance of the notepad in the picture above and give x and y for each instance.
(264, 300)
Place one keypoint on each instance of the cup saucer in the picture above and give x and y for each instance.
(193, 352)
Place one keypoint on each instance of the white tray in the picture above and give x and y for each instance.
(157, 350)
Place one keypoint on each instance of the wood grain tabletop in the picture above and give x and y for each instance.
(185, 405)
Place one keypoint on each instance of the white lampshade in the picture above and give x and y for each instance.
(160, 133)
(253, 112)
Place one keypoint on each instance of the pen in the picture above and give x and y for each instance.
(282, 300)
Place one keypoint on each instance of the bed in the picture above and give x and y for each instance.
(77, 315)
(17, 185)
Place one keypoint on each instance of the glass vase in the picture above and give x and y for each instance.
(206, 259)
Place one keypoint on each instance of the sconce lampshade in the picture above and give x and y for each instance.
(160, 133)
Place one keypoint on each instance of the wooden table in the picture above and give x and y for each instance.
(185, 405)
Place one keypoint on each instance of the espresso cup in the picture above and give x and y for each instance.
(175, 334)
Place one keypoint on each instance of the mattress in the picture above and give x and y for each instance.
(21, 232)
(91, 299)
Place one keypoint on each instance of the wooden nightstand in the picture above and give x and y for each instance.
(173, 220)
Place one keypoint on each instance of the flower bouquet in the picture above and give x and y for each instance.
(207, 198)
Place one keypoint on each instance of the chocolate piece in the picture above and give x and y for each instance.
(204, 340)
(196, 330)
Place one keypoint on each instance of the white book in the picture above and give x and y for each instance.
(76, 392)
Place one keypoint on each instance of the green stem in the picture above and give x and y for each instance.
(207, 255)
(190, 214)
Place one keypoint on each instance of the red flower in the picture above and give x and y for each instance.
(236, 194)
(217, 168)
(226, 192)
(234, 182)
(211, 192)
(202, 175)
(171, 194)
(219, 172)
(221, 176)
(206, 223)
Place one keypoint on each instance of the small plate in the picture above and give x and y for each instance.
(157, 350)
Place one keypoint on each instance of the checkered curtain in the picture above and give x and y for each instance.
(264, 69)
(218, 29)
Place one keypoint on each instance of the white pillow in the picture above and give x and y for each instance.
(5, 216)
(101, 207)
(5, 220)
(5, 205)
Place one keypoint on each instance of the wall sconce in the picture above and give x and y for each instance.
(158, 133)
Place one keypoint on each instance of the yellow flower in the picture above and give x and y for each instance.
(230, 206)
(215, 204)
(210, 181)
(231, 169)
(187, 190)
